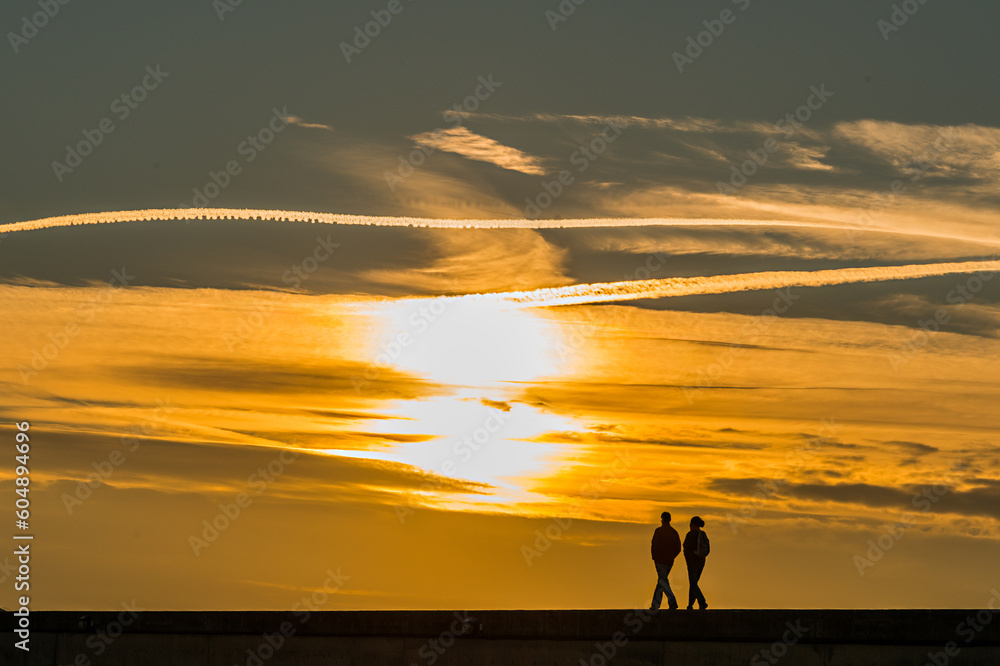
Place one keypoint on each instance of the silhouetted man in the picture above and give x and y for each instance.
(665, 548)
(695, 551)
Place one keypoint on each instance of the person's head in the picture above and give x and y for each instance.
(697, 523)
(665, 517)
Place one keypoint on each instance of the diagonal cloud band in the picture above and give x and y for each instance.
(609, 292)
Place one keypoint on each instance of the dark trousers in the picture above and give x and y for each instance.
(695, 566)
(663, 585)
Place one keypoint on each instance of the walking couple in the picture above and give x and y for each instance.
(665, 547)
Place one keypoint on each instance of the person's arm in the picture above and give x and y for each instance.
(676, 545)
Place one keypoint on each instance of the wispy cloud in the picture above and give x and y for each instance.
(484, 149)
(480, 260)
(686, 124)
(296, 120)
(808, 157)
(969, 152)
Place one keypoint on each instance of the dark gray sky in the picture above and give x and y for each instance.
(606, 59)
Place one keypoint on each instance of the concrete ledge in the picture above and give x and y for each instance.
(594, 637)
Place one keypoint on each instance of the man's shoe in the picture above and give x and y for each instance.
(673, 607)
(705, 607)
(690, 607)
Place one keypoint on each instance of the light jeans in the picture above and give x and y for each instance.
(663, 585)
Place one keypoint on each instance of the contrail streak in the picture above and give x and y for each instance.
(607, 292)
(173, 214)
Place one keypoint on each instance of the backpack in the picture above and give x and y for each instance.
(703, 547)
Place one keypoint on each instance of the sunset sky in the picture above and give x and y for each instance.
(512, 284)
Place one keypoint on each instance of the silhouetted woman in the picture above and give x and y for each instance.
(695, 550)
